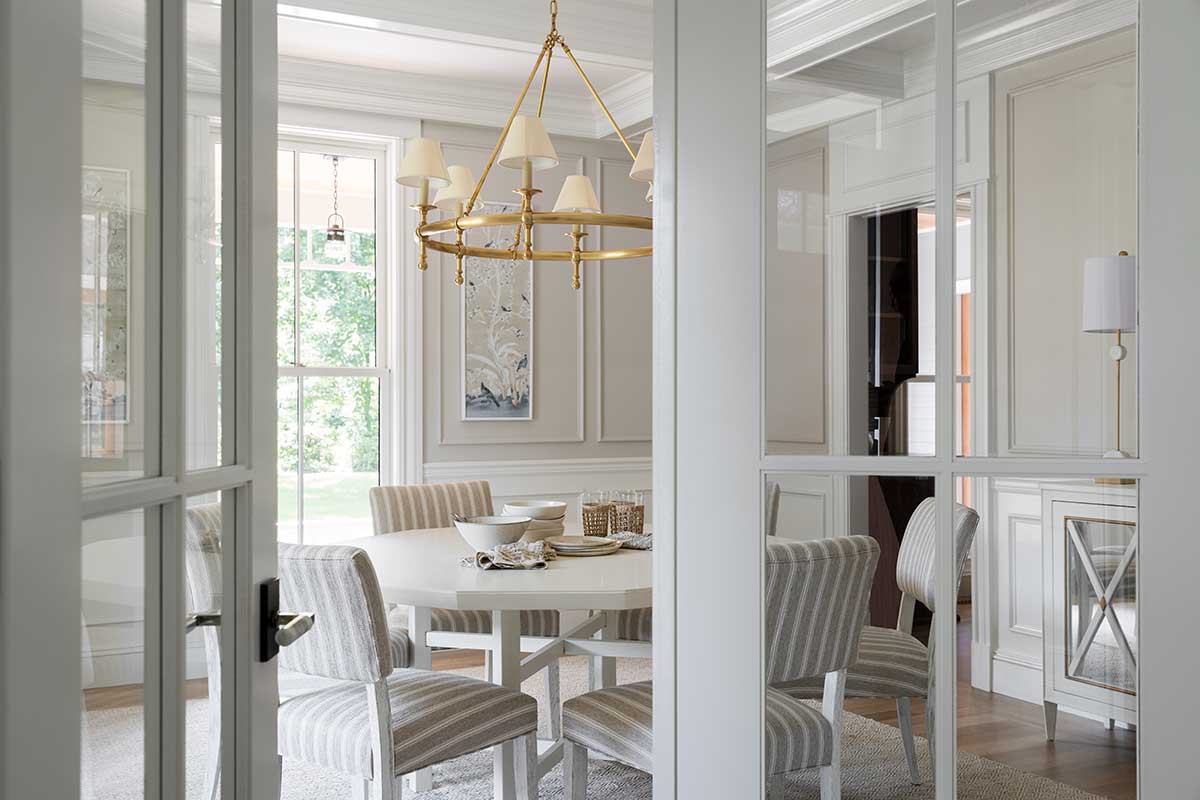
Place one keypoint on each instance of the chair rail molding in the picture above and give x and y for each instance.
(546, 479)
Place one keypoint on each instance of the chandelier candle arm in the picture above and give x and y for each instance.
(596, 95)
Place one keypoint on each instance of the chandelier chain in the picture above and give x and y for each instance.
(335, 185)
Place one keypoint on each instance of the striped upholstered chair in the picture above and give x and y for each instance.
(342, 705)
(432, 505)
(202, 567)
(816, 599)
(892, 663)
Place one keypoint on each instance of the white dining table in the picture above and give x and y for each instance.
(422, 569)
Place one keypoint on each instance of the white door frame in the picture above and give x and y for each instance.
(41, 502)
(710, 156)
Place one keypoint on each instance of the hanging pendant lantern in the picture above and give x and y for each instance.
(336, 246)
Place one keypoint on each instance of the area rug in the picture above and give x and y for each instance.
(873, 766)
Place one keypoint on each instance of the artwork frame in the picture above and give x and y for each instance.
(496, 339)
(106, 304)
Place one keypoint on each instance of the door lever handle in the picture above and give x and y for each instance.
(279, 629)
(290, 627)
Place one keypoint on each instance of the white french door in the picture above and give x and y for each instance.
(982, 109)
(139, 447)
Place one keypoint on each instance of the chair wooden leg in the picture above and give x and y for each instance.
(1050, 713)
(575, 771)
(904, 714)
(487, 666)
(554, 700)
(832, 704)
(525, 755)
(929, 737)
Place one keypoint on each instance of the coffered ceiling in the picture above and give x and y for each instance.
(464, 60)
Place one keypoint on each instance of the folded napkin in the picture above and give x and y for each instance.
(634, 541)
(518, 555)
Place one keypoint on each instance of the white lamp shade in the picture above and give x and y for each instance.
(577, 195)
(423, 162)
(462, 184)
(1110, 294)
(527, 140)
(643, 165)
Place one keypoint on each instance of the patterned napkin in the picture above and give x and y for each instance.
(518, 555)
(634, 541)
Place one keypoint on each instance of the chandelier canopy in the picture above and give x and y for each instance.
(525, 145)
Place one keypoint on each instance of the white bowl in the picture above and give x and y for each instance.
(484, 533)
(537, 509)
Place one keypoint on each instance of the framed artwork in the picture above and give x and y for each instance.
(104, 300)
(497, 333)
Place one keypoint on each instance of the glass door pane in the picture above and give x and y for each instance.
(205, 357)
(118, 304)
(113, 653)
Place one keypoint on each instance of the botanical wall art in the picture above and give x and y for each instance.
(497, 315)
(104, 298)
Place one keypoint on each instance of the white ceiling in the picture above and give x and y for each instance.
(465, 60)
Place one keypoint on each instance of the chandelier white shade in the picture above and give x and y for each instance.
(577, 195)
(527, 140)
(524, 145)
(643, 165)
(423, 162)
(1110, 294)
(462, 183)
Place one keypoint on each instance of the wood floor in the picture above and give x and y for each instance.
(1000, 728)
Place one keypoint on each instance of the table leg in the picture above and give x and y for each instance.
(506, 671)
(422, 658)
(603, 670)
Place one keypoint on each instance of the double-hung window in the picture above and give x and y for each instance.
(331, 344)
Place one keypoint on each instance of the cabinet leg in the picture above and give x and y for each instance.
(1050, 710)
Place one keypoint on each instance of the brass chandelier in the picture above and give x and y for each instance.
(525, 145)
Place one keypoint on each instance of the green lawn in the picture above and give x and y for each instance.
(327, 495)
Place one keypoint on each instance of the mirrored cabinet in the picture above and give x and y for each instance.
(1090, 646)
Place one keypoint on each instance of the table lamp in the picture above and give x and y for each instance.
(1110, 306)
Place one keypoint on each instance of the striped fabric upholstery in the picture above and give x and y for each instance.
(338, 583)
(427, 505)
(890, 663)
(533, 623)
(797, 734)
(915, 568)
(430, 505)
(618, 722)
(816, 599)
(635, 624)
(436, 716)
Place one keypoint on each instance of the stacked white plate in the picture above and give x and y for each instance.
(583, 545)
(547, 516)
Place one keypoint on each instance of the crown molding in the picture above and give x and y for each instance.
(615, 32)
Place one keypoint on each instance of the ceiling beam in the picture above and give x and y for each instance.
(869, 70)
(803, 33)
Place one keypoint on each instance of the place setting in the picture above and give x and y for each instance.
(531, 533)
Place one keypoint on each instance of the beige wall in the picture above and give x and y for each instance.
(1066, 189)
(591, 348)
